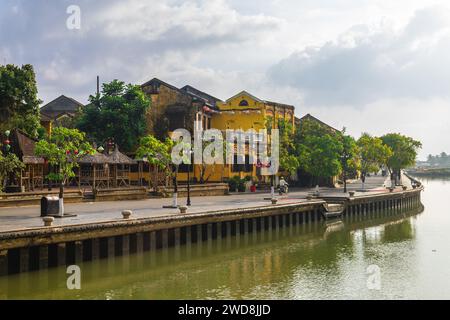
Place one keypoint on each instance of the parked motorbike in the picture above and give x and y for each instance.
(283, 190)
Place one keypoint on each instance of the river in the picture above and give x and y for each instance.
(405, 256)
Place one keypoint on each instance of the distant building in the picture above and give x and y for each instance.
(303, 178)
(298, 122)
(58, 112)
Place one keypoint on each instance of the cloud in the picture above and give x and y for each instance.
(367, 64)
(133, 40)
(192, 22)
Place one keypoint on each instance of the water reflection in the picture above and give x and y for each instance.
(307, 261)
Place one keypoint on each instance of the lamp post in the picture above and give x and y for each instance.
(188, 203)
(272, 187)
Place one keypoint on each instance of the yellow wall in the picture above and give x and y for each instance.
(234, 116)
(252, 116)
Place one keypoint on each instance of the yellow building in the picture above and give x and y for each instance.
(244, 111)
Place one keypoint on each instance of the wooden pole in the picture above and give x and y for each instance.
(115, 175)
(93, 184)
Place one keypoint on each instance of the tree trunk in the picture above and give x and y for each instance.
(363, 180)
(345, 183)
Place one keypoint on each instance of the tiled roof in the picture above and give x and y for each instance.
(62, 104)
(201, 95)
(310, 117)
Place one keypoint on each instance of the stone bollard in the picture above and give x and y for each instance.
(126, 214)
(183, 209)
(351, 193)
(48, 221)
(274, 201)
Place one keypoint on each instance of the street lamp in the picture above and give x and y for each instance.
(188, 203)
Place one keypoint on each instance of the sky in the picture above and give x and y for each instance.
(372, 66)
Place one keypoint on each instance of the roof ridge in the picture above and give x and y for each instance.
(244, 92)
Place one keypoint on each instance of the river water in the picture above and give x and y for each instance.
(404, 256)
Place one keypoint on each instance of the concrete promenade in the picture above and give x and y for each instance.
(26, 218)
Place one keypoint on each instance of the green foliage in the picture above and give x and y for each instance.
(372, 154)
(118, 113)
(318, 149)
(19, 105)
(404, 150)
(9, 165)
(156, 152)
(63, 149)
(289, 162)
(235, 183)
(350, 161)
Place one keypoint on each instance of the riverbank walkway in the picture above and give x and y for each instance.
(26, 218)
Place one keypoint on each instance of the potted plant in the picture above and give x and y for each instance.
(233, 184)
(241, 185)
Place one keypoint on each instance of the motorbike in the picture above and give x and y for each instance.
(283, 189)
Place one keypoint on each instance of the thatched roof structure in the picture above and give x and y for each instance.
(23, 146)
(96, 158)
(117, 157)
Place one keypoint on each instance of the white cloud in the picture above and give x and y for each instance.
(365, 65)
(208, 22)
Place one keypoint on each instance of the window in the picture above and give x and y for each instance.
(243, 103)
(246, 167)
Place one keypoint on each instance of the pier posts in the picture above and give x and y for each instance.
(3, 262)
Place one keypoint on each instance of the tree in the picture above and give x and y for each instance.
(157, 154)
(19, 105)
(372, 154)
(349, 157)
(10, 165)
(318, 150)
(118, 113)
(404, 152)
(63, 149)
(288, 160)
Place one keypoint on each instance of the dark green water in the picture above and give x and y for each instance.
(313, 261)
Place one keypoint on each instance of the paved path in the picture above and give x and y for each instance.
(20, 218)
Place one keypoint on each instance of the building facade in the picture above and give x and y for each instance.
(59, 112)
(173, 108)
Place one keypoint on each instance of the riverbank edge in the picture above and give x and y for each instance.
(40, 248)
